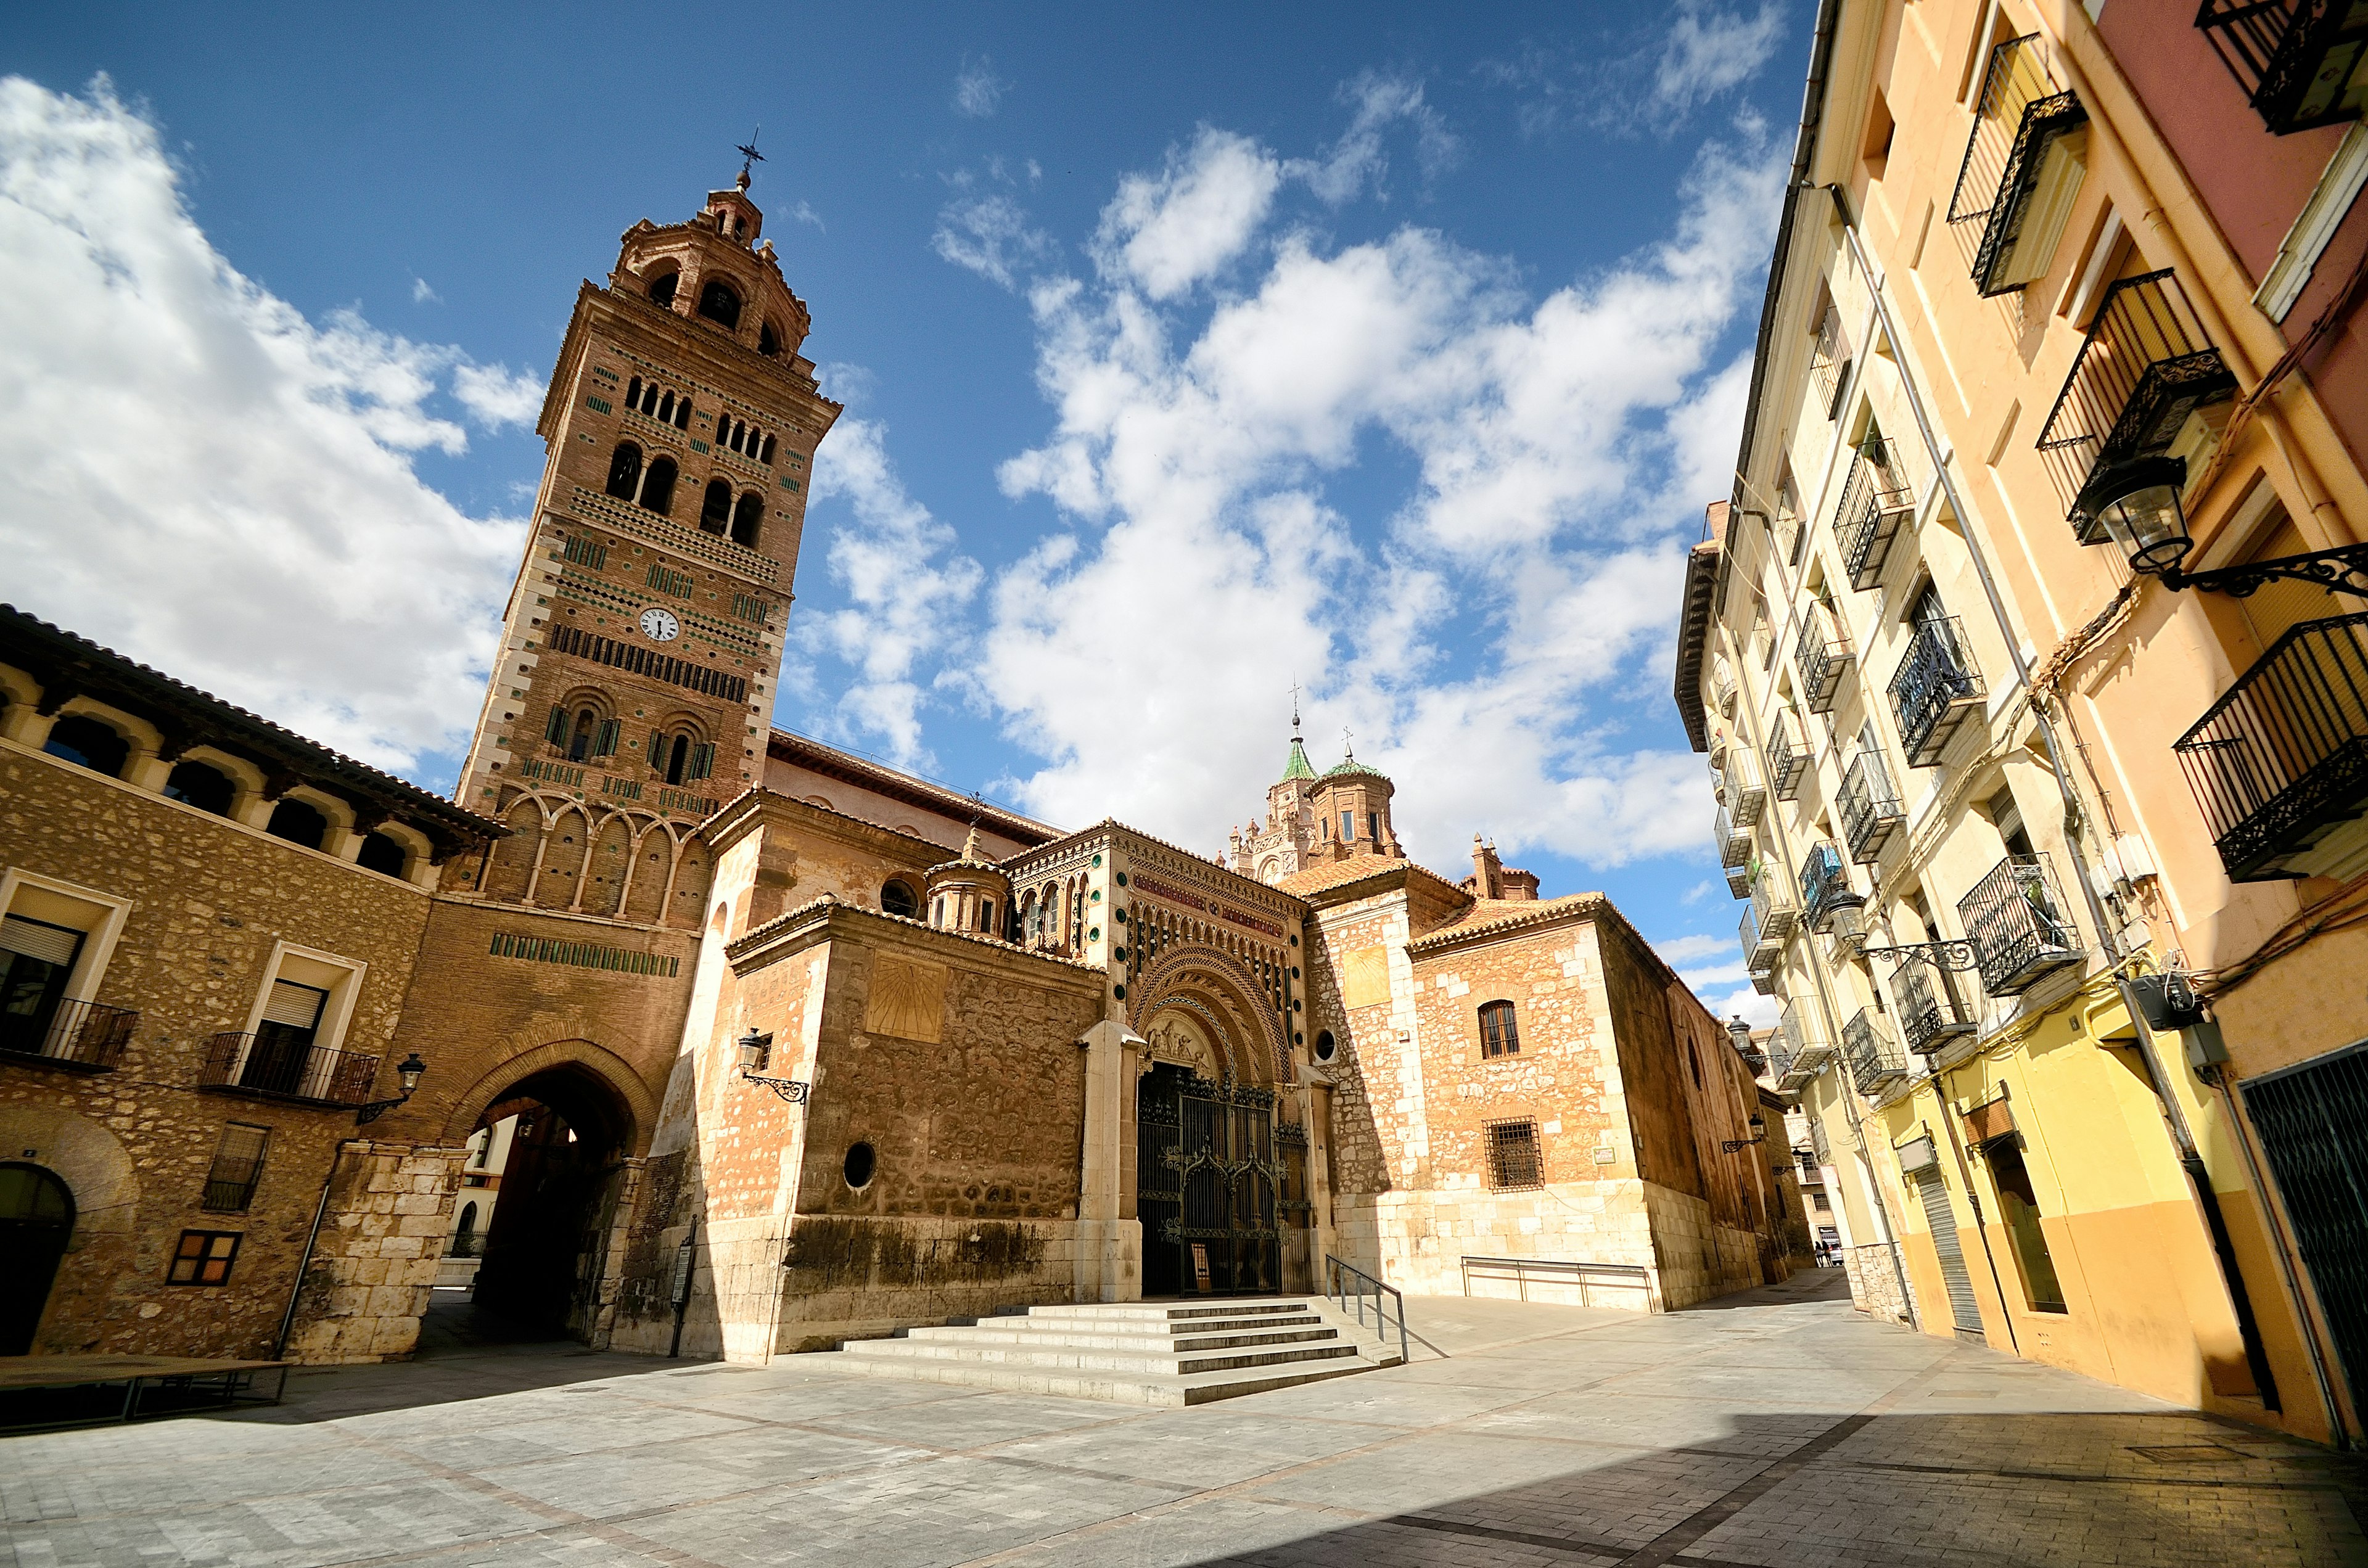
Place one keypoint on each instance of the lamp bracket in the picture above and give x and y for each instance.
(1957, 954)
(2344, 569)
(792, 1090)
(370, 1110)
(1733, 1145)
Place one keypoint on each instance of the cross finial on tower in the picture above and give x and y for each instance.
(1348, 742)
(748, 155)
(1294, 707)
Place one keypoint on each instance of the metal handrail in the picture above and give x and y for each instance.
(88, 1036)
(1336, 1274)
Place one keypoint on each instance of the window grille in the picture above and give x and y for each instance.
(237, 1168)
(1513, 1157)
(1498, 1035)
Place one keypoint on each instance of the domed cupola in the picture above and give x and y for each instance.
(1353, 811)
(970, 894)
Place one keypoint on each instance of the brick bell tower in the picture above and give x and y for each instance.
(644, 635)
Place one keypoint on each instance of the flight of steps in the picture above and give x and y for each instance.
(1135, 1353)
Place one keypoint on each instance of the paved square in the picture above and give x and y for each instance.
(1775, 1428)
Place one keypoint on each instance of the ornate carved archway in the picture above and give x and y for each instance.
(1226, 1001)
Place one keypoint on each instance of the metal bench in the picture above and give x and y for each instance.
(1586, 1276)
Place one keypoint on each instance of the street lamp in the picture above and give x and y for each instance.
(2139, 504)
(407, 1072)
(1759, 1125)
(754, 1050)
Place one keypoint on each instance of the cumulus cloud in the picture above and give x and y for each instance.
(1484, 635)
(495, 397)
(978, 91)
(421, 294)
(1710, 50)
(1648, 81)
(252, 523)
(992, 236)
(1380, 101)
(906, 590)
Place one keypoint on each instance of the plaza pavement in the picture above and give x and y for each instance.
(1773, 1427)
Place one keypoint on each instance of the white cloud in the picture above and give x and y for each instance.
(1170, 230)
(990, 235)
(805, 214)
(1678, 951)
(1380, 101)
(251, 522)
(977, 89)
(1710, 50)
(421, 294)
(1489, 641)
(905, 593)
(495, 397)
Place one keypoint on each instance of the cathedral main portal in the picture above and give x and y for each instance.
(1210, 1185)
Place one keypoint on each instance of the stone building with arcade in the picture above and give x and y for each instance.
(801, 1049)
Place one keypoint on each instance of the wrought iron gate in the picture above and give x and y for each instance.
(2313, 1121)
(1209, 1186)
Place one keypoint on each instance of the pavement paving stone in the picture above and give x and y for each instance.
(1777, 1430)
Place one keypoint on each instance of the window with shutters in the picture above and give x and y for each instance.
(37, 958)
(204, 1258)
(55, 939)
(1514, 1161)
(236, 1170)
(1498, 1034)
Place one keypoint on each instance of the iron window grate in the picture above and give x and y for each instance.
(1514, 1160)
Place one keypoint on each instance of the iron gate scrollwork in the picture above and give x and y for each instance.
(1213, 1182)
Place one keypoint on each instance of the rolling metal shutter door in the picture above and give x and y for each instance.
(2313, 1121)
(1963, 1311)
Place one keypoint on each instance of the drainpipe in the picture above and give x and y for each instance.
(312, 1239)
(2191, 1160)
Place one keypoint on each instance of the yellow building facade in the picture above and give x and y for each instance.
(2052, 852)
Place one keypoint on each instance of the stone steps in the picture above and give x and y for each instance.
(1136, 1353)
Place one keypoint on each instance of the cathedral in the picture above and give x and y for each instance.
(809, 1049)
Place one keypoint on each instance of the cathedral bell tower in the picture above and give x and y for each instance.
(644, 635)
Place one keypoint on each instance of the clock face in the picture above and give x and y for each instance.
(660, 626)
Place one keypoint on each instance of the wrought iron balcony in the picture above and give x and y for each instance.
(1772, 906)
(1823, 656)
(1826, 888)
(1875, 1059)
(266, 1068)
(1738, 787)
(1936, 689)
(2296, 60)
(1761, 952)
(2280, 764)
(2018, 925)
(1722, 686)
(1788, 755)
(2019, 172)
(1734, 843)
(2146, 368)
(1806, 1048)
(1870, 807)
(1831, 362)
(1877, 502)
(1932, 1003)
(1738, 880)
(82, 1037)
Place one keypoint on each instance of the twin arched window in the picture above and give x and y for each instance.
(1498, 1035)
(747, 519)
(648, 397)
(657, 487)
(583, 735)
(715, 507)
(682, 757)
(750, 443)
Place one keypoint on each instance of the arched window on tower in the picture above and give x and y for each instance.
(665, 409)
(715, 507)
(662, 289)
(650, 400)
(720, 304)
(579, 742)
(766, 456)
(677, 759)
(734, 430)
(633, 392)
(747, 519)
(682, 414)
(769, 343)
(657, 488)
(625, 472)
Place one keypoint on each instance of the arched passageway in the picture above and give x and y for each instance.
(545, 1237)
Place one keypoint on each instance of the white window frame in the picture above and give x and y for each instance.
(98, 942)
(336, 1014)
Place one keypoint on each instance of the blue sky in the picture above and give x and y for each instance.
(1188, 354)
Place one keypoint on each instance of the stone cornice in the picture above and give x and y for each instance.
(821, 919)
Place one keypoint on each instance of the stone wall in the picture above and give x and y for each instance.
(374, 1264)
(209, 900)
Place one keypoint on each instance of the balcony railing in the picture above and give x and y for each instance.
(1832, 363)
(1788, 755)
(83, 1037)
(1734, 843)
(1738, 787)
(2018, 925)
(2280, 764)
(1877, 502)
(2018, 175)
(2296, 60)
(1819, 1144)
(1936, 689)
(1771, 903)
(1822, 656)
(1875, 1059)
(1826, 888)
(1722, 686)
(279, 1070)
(1870, 807)
(1761, 952)
(1738, 880)
(2146, 367)
(1932, 1005)
(1806, 1048)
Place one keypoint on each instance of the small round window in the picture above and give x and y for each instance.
(861, 1163)
(1327, 1048)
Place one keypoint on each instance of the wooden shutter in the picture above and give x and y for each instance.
(702, 763)
(604, 740)
(554, 729)
(657, 749)
(298, 1007)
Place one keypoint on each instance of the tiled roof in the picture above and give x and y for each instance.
(1493, 915)
(1298, 766)
(1356, 869)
